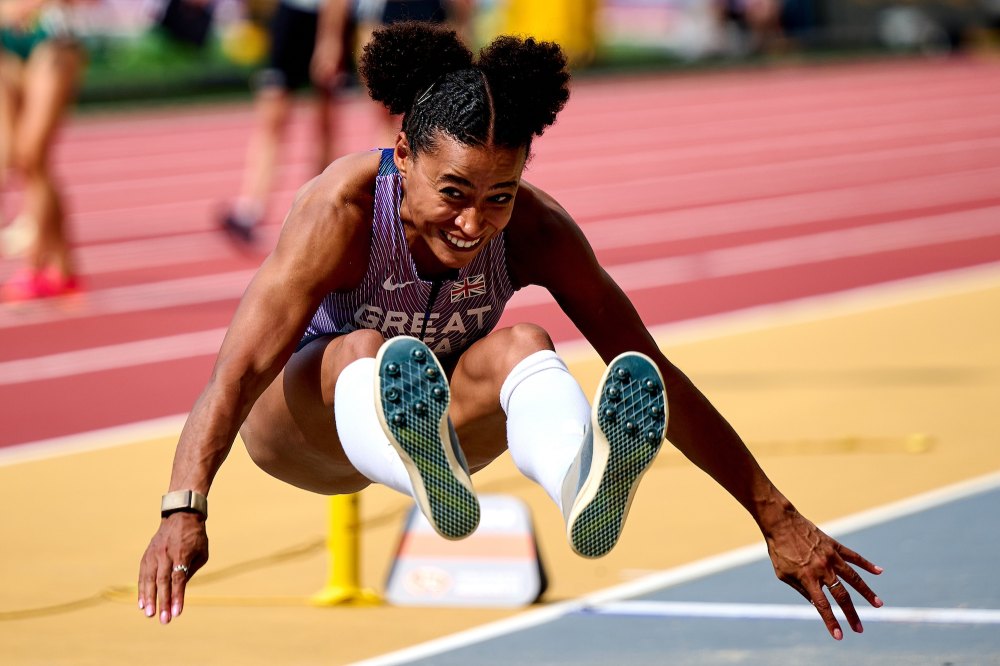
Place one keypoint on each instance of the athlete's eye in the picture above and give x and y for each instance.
(452, 193)
(502, 199)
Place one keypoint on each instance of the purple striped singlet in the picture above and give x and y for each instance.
(447, 314)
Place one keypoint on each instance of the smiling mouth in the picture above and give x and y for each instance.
(458, 243)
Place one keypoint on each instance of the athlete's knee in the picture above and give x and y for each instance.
(492, 358)
(28, 159)
(363, 343)
(260, 453)
(274, 109)
(525, 339)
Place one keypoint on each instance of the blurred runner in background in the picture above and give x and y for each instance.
(755, 26)
(307, 49)
(41, 63)
(309, 40)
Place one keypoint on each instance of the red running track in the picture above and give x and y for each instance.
(702, 194)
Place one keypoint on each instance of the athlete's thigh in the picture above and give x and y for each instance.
(479, 373)
(11, 78)
(49, 82)
(291, 433)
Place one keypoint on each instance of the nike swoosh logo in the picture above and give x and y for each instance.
(388, 285)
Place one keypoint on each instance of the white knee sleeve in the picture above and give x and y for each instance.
(360, 433)
(548, 419)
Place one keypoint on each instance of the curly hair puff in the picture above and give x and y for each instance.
(530, 86)
(509, 96)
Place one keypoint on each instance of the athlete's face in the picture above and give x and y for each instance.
(455, 199)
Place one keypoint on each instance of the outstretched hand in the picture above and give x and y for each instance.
(177, 550)
(808, 560)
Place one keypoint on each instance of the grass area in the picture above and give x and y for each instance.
(152, 67)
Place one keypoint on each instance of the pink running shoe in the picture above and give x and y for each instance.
(28, 285)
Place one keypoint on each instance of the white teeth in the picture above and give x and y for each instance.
(463, 244)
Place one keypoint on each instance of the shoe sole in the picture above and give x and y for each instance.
(629, 417)
(412, 399)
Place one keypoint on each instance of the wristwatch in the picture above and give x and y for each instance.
(188, 501)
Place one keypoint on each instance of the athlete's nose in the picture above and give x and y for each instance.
(471, 222)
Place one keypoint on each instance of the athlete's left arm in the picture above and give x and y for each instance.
(550, 250)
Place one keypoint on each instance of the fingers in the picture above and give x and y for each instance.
(856, 559)
(825, 611)
(147, 586)
(178, 549)
(162, 582)
(171, 582)
(797, 586)
(179, 578)
(813, 564)
(839, 592)
(858, 583)
(816, 597)
(163, 589)
(843, 598)
(854, 579)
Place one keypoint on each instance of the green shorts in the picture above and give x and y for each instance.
(21, 43)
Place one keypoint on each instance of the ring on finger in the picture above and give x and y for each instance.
(834, 585)
(185, 569)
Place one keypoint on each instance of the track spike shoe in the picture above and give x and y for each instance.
(412, 398)
(629, 423)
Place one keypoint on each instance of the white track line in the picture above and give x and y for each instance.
(793, 210)
(95, 440)
(812, 308)
(111, 357)
(778, 90)
(680, 177)
(642, 110)
(770, 148)
(655, 157)
(609, 232)
(660, 271)
(689, 609)
(725, 262)
(799, 130)
(682, 574)
(705, 134)
(132, 298)
(796, 251)
(605, 230)
(763, 317)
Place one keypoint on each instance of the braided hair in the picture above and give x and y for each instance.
(505, 97)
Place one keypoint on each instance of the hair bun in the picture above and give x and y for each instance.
(402, 60)
(530, 85)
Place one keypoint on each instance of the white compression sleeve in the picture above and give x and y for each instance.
(360, 433)
(548, 419)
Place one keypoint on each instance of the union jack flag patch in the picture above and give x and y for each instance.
(474, 285)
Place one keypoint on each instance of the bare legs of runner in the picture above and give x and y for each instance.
(35, 96)
(273, 109)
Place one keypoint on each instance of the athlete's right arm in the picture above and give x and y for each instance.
(323, 232)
